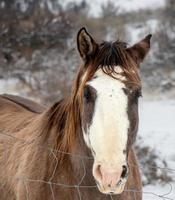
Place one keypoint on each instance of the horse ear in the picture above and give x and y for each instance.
(86, 44)
(140, 49)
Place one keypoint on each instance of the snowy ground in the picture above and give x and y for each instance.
(157, 128)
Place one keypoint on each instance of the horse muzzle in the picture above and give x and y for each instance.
(110, 181)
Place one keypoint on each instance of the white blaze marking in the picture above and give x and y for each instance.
(108, 131)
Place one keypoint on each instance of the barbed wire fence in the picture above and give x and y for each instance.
(78, 186)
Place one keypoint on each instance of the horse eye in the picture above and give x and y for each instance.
(138, 93)
(87, 94)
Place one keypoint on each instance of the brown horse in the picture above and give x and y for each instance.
(81, 147)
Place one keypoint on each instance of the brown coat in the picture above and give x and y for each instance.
(31, 168)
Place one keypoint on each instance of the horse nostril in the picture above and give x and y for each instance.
(98, 172)
(124, 172)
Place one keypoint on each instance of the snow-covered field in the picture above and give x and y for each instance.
(157, 129)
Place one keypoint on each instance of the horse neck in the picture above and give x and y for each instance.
(64, 135)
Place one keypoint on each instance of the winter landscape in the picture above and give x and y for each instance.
(38, 45)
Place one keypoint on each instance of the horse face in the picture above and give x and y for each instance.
(109, 116)
(108, 128)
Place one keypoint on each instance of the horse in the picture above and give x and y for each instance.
(82, 146)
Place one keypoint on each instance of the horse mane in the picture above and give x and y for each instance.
(64, 117)
(63, 121)
(112, 55)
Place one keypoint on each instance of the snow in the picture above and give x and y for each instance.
(13, 86)
(22, 5)
(133, 5)
(154, 192)
(2, 4)
(8, 86)
(138, 31)
(157, 128)
(123, 5)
